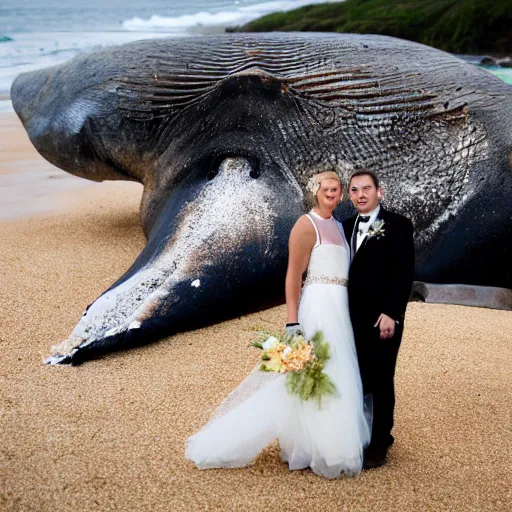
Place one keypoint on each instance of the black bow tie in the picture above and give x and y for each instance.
(363, 218)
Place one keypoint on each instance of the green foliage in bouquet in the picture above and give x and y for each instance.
(302, 361)
(311, 383)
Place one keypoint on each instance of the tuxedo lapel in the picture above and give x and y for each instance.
(349, 228)
(353, 241)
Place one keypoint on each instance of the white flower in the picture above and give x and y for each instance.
(313, 185)
(378, 224)
(376, 229)
(287, 350)
(270, 342)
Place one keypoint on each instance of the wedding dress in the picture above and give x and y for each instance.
(330, 439)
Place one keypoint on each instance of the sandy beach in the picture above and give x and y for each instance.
(110, 434)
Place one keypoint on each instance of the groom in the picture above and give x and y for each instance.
(379, 284)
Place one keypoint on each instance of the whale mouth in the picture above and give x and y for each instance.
(222, 244)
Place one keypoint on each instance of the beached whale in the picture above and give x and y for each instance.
(224, 132)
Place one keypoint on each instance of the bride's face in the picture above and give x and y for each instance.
(329, 194)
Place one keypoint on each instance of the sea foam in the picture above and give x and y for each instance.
(204, 18)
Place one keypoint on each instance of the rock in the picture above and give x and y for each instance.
(505, 63)
(488, 61)
(465, 295)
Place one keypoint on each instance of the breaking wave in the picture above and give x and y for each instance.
(208, 19)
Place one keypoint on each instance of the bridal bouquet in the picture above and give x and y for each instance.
(302, 360)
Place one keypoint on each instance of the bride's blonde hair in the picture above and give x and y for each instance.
(315, 181)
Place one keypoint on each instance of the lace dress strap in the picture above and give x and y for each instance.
(318, 240)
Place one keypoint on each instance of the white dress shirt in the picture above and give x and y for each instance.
(362, 231)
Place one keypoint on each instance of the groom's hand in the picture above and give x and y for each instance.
(386, 325)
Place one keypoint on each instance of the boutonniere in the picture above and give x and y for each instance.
(376, 229)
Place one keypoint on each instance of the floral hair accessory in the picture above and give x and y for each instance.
(313, 185)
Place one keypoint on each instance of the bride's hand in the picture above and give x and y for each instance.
(293, 329)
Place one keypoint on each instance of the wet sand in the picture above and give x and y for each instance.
(110, 434)
(28, 183)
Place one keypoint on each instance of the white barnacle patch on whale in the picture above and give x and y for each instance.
(230, 212)
(64, 348)
(54, 360)
(108, 315)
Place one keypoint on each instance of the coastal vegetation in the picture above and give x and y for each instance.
(457, 26)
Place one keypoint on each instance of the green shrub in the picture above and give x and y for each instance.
(459, 26)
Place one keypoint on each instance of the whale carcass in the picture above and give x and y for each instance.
(224, 132)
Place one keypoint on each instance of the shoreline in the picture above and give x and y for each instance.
(31, 185)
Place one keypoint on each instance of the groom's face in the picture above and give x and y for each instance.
(365, 196)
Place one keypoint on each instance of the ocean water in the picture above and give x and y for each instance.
(40, 33)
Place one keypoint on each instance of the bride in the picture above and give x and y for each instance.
(330, 440)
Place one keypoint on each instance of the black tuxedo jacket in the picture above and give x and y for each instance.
(382, 270)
